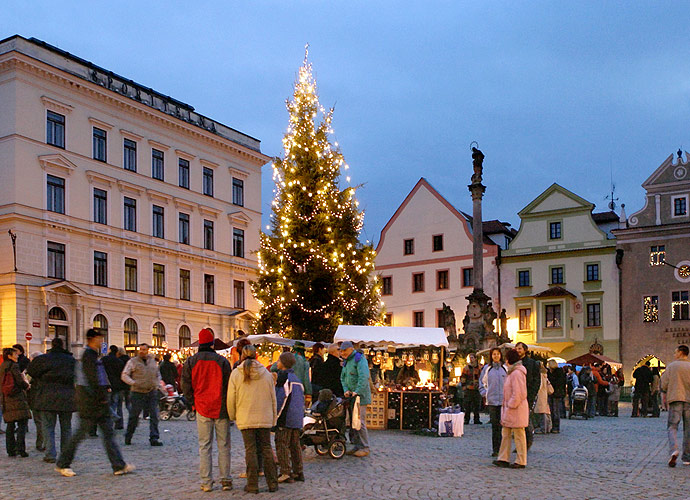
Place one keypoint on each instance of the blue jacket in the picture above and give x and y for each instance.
(491, 383)
(290, 400)
(355, 377)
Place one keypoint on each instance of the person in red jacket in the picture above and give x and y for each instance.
(205, 385)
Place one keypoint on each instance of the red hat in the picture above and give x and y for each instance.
(205, 336)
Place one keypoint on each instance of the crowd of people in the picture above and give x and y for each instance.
(523, 397)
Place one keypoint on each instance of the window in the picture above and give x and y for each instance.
(129, 155)
(56, 260)
(130, 274)
(553, 315)
(594, 314)
(131, 333)
(467, 277)
(130, 214)
(680, 306)
(680, 206)
(208, 181)
(159, 280)
(158, 334)
(437, 242)
(418, 282)
(387, 285)
(657, 255)
(408, 247)
(184, 284)
(157, 165)
(185, 337)
(592, 272)
(184, 229)
(238, 290)
(525, 319)
(56, 194)
(208, 234)
(55, 129)
(99, 144)
(418, 318)
(557, 275)
(100, 324)
(388, 319)
(209, 289)
(237, 192)
(524, 278)
(442, 280)
(555, 230)
(158, 225)
(183, 173)
(100, 269)
(100, 204)
(238, 242)
(650, 313)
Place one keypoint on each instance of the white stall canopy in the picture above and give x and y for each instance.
(400, 336)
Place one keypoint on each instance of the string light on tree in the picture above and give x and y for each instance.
(314, 274)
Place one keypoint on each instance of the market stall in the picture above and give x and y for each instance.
(268, 347)
(407, 371)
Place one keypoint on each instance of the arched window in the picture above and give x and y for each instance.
(185, 336)
(57, 313)
(158, 334)
(100, 324)
(58, 325)
(131, 333)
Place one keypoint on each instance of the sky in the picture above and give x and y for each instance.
(575, 93)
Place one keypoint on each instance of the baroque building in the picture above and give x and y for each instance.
(128, 210)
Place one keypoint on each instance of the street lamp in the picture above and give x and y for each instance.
(14, 247)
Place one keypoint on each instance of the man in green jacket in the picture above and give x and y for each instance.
(355, 380)
(301, 367)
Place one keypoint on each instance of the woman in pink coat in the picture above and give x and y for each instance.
(514, 413)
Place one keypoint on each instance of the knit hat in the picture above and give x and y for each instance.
(205, 337)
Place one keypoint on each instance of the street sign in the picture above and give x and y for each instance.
(36, 324)
(104, 348)
(28, 336)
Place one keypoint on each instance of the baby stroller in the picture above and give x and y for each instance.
(172, 405)
(325, 425)
(578, 403)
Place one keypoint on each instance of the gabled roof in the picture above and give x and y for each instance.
(555, 188)
(603, 217)
(661, 169)
(554, 291)
(64, 287)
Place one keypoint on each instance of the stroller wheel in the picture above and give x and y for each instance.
(191, 415)
(164, 415)
(321, 449)
(337, 449)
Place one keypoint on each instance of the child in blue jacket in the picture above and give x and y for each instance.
(290, 402)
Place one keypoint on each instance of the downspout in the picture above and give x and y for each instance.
(619, 263)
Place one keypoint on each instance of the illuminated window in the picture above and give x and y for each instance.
(100, 324)
(680, 305)
(525, 319)
(159, 280)
(185, 336)
(158, 334)
(130, 274)
(418, 282)
(388, 319)
(657, 255)
(553, 315)
(442, 280)
(131, 333)
(651, 309)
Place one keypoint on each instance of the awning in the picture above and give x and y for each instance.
(274, 339)
(402, 336)
(589, 359)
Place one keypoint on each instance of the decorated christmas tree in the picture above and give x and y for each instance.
(314, 274)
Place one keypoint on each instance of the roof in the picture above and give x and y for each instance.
(408, 336)
(603, 217)
(589, 358)
(554, 291)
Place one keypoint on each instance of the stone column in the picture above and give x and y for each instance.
(477, 191)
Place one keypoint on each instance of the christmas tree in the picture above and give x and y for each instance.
(314, 274)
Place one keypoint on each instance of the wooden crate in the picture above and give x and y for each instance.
(377, 411)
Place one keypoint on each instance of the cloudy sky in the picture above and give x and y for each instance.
(552, 92)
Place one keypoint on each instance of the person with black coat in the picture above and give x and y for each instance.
(330, 374)
(533, 384)
(15, 405)
(114, 363)
(557, 378)
(643, 380)
(22, 361)
(52, 376)
(168, 371)
(316, 363)
(94, 409)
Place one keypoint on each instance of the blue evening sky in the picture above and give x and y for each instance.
(560, 92)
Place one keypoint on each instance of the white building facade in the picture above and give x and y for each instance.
(132, 213)
(424, 258)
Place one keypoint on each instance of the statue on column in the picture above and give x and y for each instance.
(477, 165)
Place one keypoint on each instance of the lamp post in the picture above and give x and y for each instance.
(14, 247)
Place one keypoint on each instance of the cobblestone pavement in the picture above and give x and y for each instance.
(605, 458)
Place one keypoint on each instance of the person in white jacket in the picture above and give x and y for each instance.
(491, 382)
(252, 405)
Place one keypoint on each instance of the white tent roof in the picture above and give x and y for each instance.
(404, 336)
(274, 339)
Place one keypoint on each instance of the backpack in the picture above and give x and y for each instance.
(8, 388)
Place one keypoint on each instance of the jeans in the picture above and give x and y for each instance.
(50, 418)
(555, 404)
(289, 451)
(15, 437)
(255, 439)
(495, 419)
(654, 399)
(677, 411)
(116, 400)
(205, 427)
(108, 435)
(360, 438)
(592, 404)
(38, 422)
(641, 400)
(473, 402)
(141, 401)
(602, 403)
